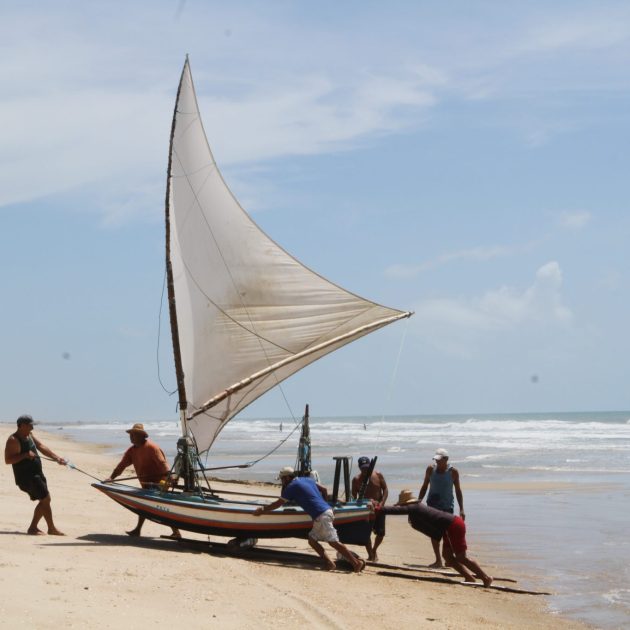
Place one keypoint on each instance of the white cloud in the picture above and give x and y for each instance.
(574, 220)
(84, 108)
(455, 325)
(473, 253)
(579, 32)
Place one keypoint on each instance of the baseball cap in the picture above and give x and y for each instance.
(441, 453)
(363, 462)
(285, 471)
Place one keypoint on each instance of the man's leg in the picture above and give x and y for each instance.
(33, 528)
(451, 561)
(357, 563)
(136, 530)
(463, 559)
(368, 549)
(378, 539)
(321, 552)
(436, 550)
(43, 509)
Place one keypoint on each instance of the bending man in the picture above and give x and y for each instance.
(437, 524)
(308, 495)
(150, 465)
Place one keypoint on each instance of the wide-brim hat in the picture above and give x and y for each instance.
(138, 428)
(406, 496)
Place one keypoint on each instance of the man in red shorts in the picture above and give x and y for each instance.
(437, 524)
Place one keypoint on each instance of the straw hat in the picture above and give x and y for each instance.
(138, 428)
(406, 496)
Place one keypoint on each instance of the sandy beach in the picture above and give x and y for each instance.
(98, 577)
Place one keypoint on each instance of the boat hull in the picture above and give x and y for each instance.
(235, 519)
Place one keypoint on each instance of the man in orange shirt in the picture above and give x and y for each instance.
(150, 465)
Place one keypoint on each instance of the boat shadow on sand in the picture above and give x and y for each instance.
(275, 556)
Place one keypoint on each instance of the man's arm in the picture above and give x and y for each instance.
(425, 483)
(383, 487)
(356, 485)
(263, 509)
(42, 448)
(458, 492)
(124, 462)
(12, 453)
(322, 490)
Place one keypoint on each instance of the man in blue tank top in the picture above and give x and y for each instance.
(441, 479)
(309, 495)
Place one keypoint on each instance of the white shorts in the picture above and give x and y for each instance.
(323, 529)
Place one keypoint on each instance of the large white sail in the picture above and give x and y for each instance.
(248, 314)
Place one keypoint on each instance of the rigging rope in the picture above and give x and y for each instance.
(159, 334)
(394, 375)
(72, 467)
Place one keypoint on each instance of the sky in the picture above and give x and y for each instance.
(466, 161)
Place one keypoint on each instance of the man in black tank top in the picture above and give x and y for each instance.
(21, 451)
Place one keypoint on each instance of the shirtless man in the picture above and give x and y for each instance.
(22, 452)
(377, 491)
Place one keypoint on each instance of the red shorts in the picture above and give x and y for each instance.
(455, 536)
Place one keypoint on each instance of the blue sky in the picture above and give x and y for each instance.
(467, 161)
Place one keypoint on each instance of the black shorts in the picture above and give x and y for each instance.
(378, 526)
(35, 487)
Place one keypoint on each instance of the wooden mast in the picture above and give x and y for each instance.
(179, 370)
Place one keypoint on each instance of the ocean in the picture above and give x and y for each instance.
(546, 495)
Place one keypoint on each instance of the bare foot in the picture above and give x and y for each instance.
(35, 532)
(360, 566)
(436, 565)
(329, 565)
(173, 536)
(488, 580)
(470, 579)
(134, 533)
(55, 532)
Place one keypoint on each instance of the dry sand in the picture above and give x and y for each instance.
(98, 577)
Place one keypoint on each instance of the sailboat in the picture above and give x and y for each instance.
(245, 315)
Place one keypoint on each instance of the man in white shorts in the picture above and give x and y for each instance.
(308, 495)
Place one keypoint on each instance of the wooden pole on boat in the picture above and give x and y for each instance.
(183, 444)
(179, 370)
(304, 448)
